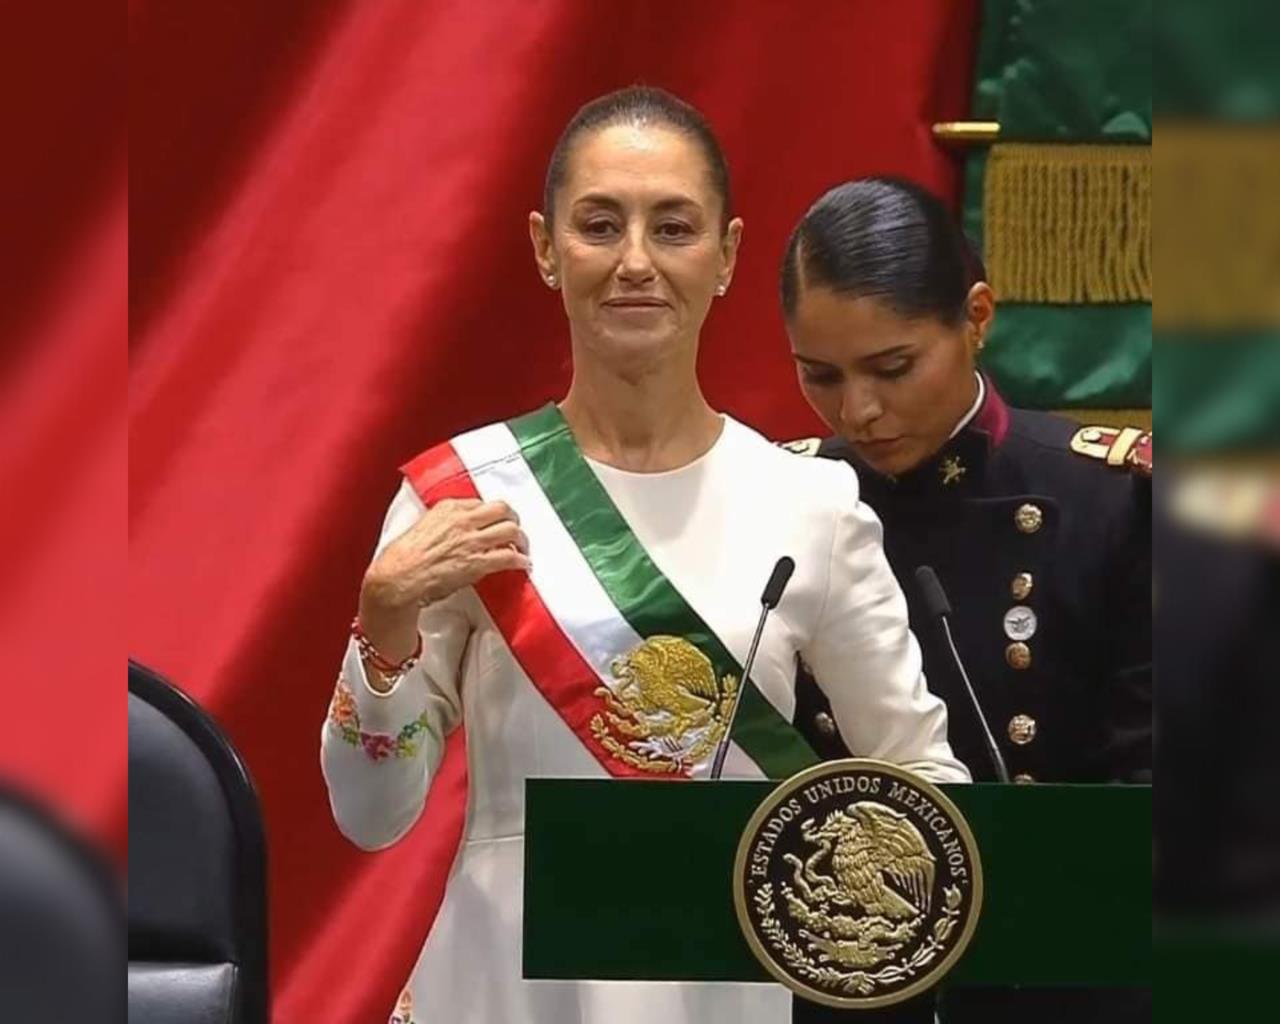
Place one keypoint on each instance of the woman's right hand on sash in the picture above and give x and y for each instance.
(454, 544)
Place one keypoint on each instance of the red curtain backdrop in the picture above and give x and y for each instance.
(330, 271)
(63, 299)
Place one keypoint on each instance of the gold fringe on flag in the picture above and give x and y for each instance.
(1217, 240)
(1068, 223)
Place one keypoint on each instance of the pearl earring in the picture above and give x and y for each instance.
(551, 280)
(721, 289)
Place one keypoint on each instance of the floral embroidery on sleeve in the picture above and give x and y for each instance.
(344, 720)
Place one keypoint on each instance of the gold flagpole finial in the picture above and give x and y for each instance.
(966, 132)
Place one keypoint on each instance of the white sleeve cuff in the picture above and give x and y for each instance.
(387, 712)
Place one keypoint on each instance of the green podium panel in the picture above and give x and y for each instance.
(630, 881)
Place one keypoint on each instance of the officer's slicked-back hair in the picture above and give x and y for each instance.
(886, 238)
(638, 105)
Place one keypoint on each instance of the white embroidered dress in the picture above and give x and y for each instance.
(714, 528)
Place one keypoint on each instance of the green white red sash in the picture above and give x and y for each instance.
(595, 596)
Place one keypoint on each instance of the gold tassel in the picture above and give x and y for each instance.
(1068, 223)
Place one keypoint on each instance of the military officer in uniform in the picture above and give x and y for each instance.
(1038, 529)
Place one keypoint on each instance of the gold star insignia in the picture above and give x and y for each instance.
(951, 470)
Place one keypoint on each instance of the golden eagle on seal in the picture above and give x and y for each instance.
(869, 845)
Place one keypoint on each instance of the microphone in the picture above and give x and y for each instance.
(935, 600)
(778, 580)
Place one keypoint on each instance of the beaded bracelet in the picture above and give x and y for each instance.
(371, 654)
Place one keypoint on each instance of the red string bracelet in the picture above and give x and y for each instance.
(377, 659)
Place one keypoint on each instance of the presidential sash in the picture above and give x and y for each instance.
(605, 637)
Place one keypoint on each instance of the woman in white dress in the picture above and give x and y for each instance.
(578, 587)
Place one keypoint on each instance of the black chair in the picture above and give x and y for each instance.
(61, 921)
(197, 866)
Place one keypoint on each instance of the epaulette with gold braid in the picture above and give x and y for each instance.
(1128, 447)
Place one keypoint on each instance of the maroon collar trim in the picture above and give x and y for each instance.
(993, 417)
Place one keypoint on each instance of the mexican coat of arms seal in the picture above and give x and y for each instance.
(857, 884)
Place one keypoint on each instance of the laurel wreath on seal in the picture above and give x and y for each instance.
(862, 983)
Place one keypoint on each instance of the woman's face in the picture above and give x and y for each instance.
(637, 247)
(891, 386)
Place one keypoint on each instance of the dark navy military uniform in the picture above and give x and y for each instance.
(1044, 550)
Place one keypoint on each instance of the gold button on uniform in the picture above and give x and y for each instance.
(1018, 655)
(1028, 518)
(1022, 729)
(825, 724)
(1022, 586)
(1024, 778)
